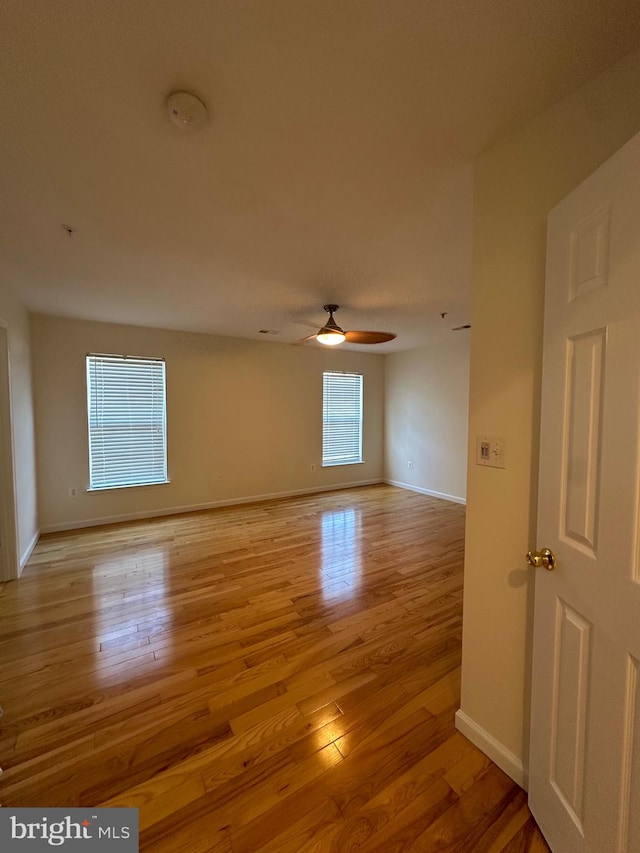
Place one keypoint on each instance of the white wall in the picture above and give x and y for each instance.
(16, 320)
(517, 181)
(426, 414)
(250, 411)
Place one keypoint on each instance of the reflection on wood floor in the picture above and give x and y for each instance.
(280, 677)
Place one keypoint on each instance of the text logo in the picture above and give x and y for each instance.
(69, 829)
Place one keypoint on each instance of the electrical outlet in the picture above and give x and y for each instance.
(410, 464)
(73, 492)
(313, 466)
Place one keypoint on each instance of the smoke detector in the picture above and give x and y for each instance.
(186, 110)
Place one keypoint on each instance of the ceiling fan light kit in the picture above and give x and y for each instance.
(331, 334)
(330, 337)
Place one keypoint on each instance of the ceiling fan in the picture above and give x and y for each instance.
(331, 334)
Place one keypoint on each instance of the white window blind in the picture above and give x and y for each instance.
(341, 418)
(127, 421)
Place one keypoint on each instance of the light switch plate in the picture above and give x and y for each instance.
(490, 451)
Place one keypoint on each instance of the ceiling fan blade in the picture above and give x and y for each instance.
(368, 337)
(304, 340)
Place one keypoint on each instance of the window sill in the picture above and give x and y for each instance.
(98, 489)
(337, 464)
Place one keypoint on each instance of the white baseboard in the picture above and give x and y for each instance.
(28, 551)
(453, 498)
(177, 510)
(499, 754)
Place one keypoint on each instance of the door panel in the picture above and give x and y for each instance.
(569, 708)
(590, 253)
(630, 812)
(581, 478)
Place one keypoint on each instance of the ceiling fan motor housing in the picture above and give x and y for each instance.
(331, 323)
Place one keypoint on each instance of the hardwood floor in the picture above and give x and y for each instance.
(277, 677)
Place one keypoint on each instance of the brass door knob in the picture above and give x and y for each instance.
(545, 558)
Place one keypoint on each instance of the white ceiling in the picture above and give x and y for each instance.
(335, 166)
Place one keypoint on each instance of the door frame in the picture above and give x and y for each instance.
(9, 563)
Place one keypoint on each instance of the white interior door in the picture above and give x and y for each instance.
(584, 783)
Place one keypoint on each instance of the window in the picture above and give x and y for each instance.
(341, 418)
(127, 416)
